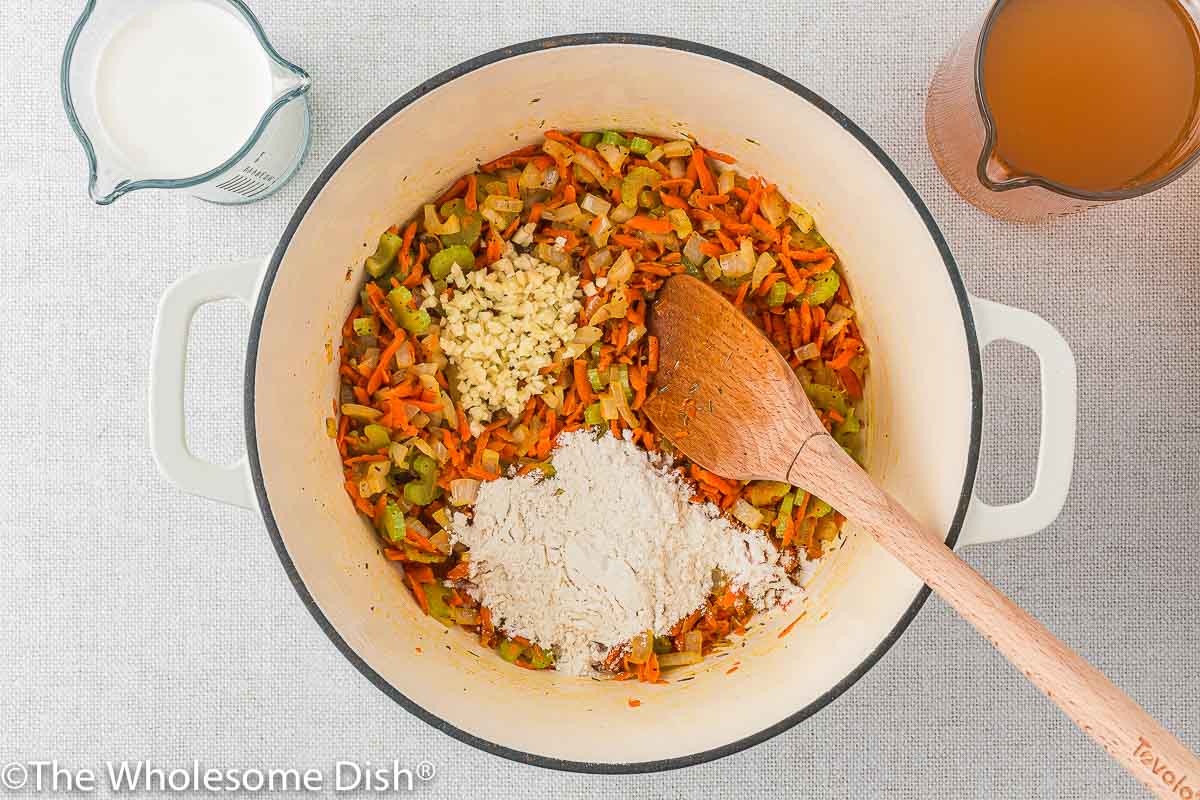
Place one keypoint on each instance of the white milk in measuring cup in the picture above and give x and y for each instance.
(184, 94)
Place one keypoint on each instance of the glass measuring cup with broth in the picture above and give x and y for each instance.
(1048, 107)
(183, 94)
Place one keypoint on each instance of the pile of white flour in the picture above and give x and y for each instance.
(609, 547)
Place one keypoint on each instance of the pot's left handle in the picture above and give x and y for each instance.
(168, 360)
(1056, 451)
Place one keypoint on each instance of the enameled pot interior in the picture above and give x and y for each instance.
(920, 399)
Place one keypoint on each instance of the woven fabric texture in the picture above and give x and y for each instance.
(137, 622)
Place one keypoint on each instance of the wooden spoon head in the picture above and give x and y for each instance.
(723, 395)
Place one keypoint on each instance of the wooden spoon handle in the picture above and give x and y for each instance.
(1101, 710)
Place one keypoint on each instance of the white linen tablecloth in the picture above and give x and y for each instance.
(137, 622)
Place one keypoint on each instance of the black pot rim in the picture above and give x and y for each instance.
(575, 40)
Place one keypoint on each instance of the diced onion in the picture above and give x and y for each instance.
(733, 265)
(654, 155)
(604, 229)
(640, 648)
(622, 213)
(588, 335)
(553, 397)
(774, 208)
(712, 269)
(404, 356)
(838, 312)
(762, 268)
(505, 205)
(441, 540)
(613, 154)
(618, 396)
(599, 260)
(746, 514)
(635, 332)
(803, 219)
(398, 453)
(692, 251)
(725, 181)
(589, 163)
(677, 149)
(550, 178)
(531, 177)
(836, 328)
(418, 526)
(621, 271)
(808, 351)
(491, 461)
(440, 452)
(676, 168)
(464, 615)
(693, 642)
(679, 659)
(520, 434)
(564, 214)
(595, 205)
(437, 227)
(558, 151)
(608, 407)
(423, 446)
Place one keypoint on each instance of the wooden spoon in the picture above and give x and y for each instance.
(728, 400)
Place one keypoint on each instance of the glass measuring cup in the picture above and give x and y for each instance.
(963, 134)
(263, 163)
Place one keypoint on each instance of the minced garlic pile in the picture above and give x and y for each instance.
(503, 324)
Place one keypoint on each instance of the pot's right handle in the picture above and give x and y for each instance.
(1056, 452)
(168, 360)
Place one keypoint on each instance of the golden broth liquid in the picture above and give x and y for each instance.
(1091, 94)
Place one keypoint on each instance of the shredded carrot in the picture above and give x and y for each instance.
(702, 173)
(650, 224)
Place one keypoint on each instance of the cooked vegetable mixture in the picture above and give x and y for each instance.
(513, 309)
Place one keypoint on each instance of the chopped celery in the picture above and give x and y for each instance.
(818, 509)
(424, 467)
(420, 492)
(827, 398)
(639, 178)
(765, 493)
(612, 137)
(356, 411)
(416, 321)
(590, 139)
(398, 299)
(539, 658)
(440, 264)
(648, 198)
(824, 287)
(416, 554)
(596, 349)
(366, 326)
(509, 650)
(786, 506)
(592, 415)
(436, 594)
(392, 526)
(597, 380)
(385, 253)
(375, 479)
(849, 425)
(680, 222)
(470, 223)
(640, 146)
(622, 378)
(777, 295)
(377, 437)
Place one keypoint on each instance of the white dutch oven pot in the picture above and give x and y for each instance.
(924, 393)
